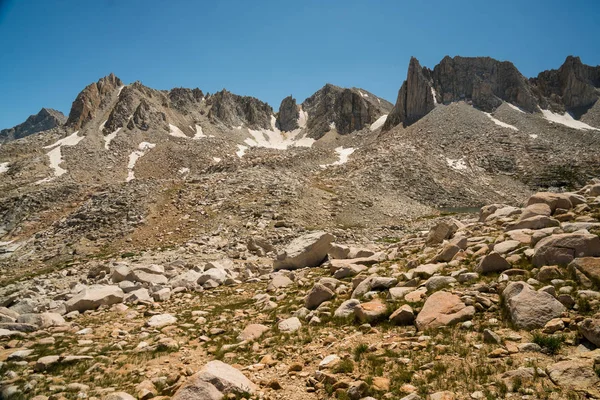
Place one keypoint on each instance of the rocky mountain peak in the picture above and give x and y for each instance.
(90, 99)
(346, 109)
(573, 87)
(45, 119)
(287, 119)
(415, 97)
(233, 110)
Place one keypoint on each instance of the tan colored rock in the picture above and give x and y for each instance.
(317, 295)
(309, 250)
(443, 308)
(493, 262)
(252, 332)
(530, 309)
(561, 249)
(535, 222)
(575, 374)
(588, 266)
(403, 315)
(371, 311)
(553, 200)
(94, 297)
(536, 209)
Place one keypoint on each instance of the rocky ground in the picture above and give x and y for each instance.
(504, 304)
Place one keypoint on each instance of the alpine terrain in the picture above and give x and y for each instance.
(179, 244)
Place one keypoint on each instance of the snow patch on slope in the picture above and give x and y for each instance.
(120, 89)
(242, 150)
(199, 133)
(515, 108)
(176, 132)
(135, 156)
(343, 154)
(109, 138)
(363, 94)
(566, 119)
(500, 123)
(3, 167)
(458, 164)
(275, 139)
(379, 123)
(55, 155)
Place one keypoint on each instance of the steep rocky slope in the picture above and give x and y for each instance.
(44, 120)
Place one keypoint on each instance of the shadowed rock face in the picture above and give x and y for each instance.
(486, 83)
(233, 110)
(574, 86)
(415, 98)
(349, 109)
(46, 119)
(183, 99)
(90, 99)
(288, 115)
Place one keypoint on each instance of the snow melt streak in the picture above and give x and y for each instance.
(109, 138)
(135, 156)
(379, 123)
(500, 123)
(55, 155)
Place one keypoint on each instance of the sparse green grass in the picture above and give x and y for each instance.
(359, 351)
(345, 366)
(551, 343)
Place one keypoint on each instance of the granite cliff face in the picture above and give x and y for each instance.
(346, 110)
(46, 119)
(415, 98)
(287, 120)
(573, 87)
(88, 102)
(233, 110)
(487, 83)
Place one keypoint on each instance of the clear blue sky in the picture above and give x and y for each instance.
(51, 49)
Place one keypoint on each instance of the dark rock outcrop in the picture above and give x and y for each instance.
(287, 120)
(349, 109)
(573, 87)
(183, 99)
(125, 106)
(90, 99)
(415, 97)
(233, 110)
(147, 116)
(46, 119)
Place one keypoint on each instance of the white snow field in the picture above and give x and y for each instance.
(275, 139)
(135, 156)
(3, 167)
(566, 119)
(343, 154)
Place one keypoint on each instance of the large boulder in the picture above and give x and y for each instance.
(306, 251)
(535, 222)
(442, 231)
(441, 309)
(95, 296)
(318, 294)
(371, 311)
(493, 262)
(576, 374)
(43, 320)
(588, 266)
(225, 378)
(563, 248)
(530, 309)
(553, 200)
(590, 329)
